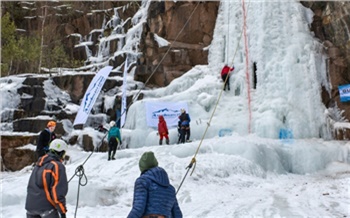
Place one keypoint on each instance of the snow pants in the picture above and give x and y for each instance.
(227, 84)
(112, 145)
(185, 133)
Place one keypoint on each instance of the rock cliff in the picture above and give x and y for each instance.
(331, 23)
(169, 45)
(96, 32)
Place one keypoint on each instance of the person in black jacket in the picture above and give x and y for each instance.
(48, 186)
(179, 131)
(185, 126)
(44, 139)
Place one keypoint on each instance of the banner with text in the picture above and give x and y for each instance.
(123, 106)
(344, 92)
(170, 110)
(91, 95)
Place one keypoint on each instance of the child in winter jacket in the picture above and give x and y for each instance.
(163, 130)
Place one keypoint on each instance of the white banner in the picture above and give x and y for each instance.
(170, 110)
(91, 95)
(123, 109)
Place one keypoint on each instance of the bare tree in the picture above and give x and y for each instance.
(44, 12)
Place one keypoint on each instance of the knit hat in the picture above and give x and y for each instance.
(51, 123)
(112, 123)
(147, 161)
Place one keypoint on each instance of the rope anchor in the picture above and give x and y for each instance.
(193, 161)
(79, 171)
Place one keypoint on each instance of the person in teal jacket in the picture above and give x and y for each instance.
(114, 139)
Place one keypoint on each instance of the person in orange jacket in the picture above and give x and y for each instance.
(163, 130)
(225, 76)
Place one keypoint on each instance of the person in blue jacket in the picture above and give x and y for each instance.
(185, 131)
(154, 196)
(114, 139)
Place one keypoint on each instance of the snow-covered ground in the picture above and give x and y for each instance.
(234, 176)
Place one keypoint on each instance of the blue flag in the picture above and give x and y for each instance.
(344, 92)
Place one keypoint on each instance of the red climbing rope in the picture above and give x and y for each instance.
(247, 63)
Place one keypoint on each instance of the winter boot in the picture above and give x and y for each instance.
(109, 155)
(167, 141)
(113, 155)
(160, 141)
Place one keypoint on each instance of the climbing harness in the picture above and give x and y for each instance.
(193, 161)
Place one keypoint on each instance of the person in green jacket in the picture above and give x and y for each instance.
(114, 139)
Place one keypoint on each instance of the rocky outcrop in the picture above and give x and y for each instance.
(34, 103)
(187, 27)
(69, 23)
(331, 24)
(14, 159)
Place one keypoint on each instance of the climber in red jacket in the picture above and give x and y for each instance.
(163, 130)
(225, 75)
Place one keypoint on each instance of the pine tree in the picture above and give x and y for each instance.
(17, 53)
(9, 46)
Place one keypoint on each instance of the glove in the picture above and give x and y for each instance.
(63, 215)
(157, 133)
(167, 133)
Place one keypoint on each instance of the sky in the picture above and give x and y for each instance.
(250, 172)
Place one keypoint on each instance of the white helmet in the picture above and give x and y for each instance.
(112, 123)
(58, 145)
